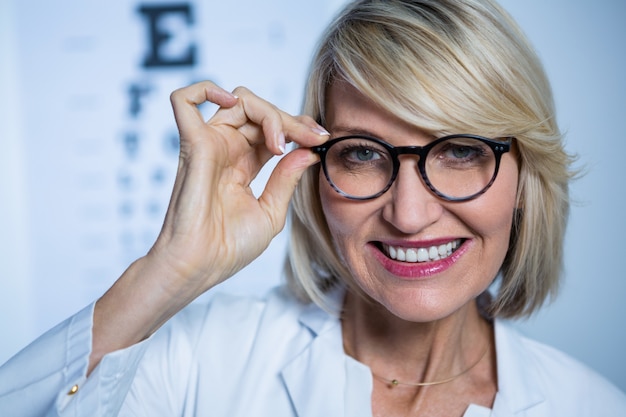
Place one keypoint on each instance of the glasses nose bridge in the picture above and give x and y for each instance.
(419, 151)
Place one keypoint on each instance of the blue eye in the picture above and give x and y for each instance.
(462, 151)
(465, 153)
(364, 154)
(355, 152)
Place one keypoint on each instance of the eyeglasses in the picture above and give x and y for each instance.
(455, 167)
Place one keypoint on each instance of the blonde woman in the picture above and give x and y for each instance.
(431, 197)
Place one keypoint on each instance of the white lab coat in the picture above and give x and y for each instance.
(274, 357)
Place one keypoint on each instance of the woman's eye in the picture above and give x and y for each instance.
(461, 152)
(364, 154)
(464, 152)
(358, 153)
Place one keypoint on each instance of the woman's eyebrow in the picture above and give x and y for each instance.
(340, 130)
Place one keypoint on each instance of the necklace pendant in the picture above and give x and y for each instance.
(394, 382)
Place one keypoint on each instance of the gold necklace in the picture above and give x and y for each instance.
(394, 382)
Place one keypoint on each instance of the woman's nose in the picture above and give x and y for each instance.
(411, 206)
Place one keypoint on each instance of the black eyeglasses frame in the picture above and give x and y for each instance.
(499, 147)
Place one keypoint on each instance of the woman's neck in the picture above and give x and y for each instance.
(413, 352)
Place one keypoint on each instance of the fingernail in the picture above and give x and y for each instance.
(321, 131)
(281, 142)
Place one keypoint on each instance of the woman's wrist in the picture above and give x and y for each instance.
(146, 295)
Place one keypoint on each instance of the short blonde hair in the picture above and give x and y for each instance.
(445, 66)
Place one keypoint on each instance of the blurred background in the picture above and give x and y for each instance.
(88, 147)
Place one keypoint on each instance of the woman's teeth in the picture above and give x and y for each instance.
(432, 253)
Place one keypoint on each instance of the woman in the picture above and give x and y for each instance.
(441, 169)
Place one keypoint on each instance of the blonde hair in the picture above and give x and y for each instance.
(445, 66)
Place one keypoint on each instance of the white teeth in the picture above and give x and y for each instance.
(413, 255)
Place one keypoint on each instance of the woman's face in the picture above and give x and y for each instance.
(408, 217)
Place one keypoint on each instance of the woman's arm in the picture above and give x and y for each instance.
(214, 225)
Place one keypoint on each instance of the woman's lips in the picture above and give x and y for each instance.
(416, 261)
(421, 254)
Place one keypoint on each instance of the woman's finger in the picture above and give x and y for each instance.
(257, 120)
(277, 126)
(185, 102)
(281, 185)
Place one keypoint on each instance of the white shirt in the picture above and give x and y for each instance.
(274, 357)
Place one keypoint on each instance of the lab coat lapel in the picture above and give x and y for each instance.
(315, 380)
(519, 385)
(322, 380)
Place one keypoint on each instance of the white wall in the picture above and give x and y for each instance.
(76, 207)
(582, 46)
(16, 318)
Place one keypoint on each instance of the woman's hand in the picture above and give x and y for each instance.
(214, 225)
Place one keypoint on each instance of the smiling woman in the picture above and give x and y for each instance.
(445, 63)
(441, 171)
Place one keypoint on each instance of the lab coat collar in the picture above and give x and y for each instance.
(317, 320)
(347, 382)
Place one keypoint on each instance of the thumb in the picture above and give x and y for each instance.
(282, 184)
